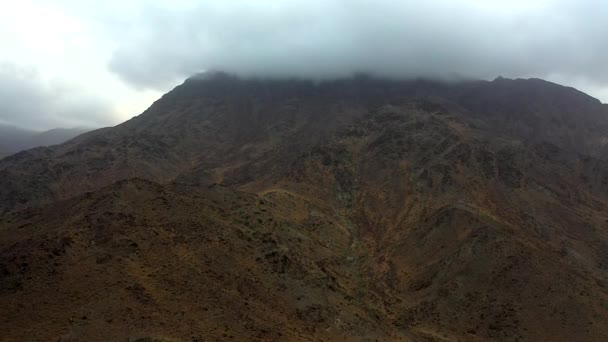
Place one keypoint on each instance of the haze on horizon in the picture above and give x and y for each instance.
(68, 63)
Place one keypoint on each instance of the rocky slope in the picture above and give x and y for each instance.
(357, 209)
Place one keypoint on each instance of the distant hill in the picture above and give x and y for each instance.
(14, 139)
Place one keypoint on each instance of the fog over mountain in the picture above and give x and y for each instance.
(327, 39)
(294, 170)
(104, 62)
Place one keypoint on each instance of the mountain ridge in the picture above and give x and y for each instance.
(14, 139)
(355, 88)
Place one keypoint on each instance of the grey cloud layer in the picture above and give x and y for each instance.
(28, 101)
(154, 44)
(328, 38)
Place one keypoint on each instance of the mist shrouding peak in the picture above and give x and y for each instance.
(329, 39)
(100, 63)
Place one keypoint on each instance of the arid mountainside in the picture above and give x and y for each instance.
(358, 209)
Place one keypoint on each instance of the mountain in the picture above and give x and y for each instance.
(355, 209)
(57, 136)
(14, 139)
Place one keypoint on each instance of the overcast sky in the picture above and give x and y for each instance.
(94, 63)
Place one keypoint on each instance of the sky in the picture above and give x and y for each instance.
(93, 63)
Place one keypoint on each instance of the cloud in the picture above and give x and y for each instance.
(27, 100)
(160, 42)
(101, 62)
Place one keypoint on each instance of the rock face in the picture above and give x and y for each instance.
(358, 209)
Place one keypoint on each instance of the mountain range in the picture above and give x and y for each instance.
(14, 139)
(360, 209)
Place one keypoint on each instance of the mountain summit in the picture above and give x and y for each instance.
(355, 209)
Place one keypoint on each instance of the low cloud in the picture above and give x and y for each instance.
(29, 101)
(102, 62)
(166, 41)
